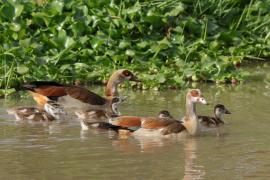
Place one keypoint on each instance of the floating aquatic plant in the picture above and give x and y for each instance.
(167, 42)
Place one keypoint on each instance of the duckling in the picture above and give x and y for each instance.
(96, 119)
(30, 113)
(50, 112)
(215, 121)
(174, 127)
(100, 115)
(165, 114)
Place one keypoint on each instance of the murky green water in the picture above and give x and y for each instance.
(62, 151)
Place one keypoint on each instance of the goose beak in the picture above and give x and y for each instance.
(227, 111)
(203, 101)
(134, 78)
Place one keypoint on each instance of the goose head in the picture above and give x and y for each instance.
(220, 109)
(195, 96)
(165, 114)
(117, 78)
(128, 75)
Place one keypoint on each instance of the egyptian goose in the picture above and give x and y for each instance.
(117, 78)
(167, 125)
(215, 121)
(70, 96)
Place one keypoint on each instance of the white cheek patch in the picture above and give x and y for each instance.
(195, 99)
(202, 100)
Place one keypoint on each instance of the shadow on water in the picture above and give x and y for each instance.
(62, 151)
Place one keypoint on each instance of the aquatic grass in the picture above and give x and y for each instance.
(169, 43)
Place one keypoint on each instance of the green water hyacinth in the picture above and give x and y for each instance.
(169, 43)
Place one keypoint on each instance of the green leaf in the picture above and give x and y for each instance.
(84, 39)
(7, 11)
(124, 44)
(46, 18)
(161, 78)
(22, 69)
(134, 9)
(142, 44)
(96, 42)
(164, 43)
(176, 11)
(81, 66)
(56, 7)
(130, 52)
(25, 42)
(15, 27)
(18, 10)
(69, 42)
(65, 67)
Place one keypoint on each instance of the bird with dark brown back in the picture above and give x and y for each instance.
(79, 98)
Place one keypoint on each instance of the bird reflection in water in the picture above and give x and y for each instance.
(192, 170)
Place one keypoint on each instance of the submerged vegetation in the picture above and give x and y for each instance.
(168, 43)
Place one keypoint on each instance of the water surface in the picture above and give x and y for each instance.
(62, 151)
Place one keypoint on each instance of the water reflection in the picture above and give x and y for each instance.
(35, 150)
(192, 169)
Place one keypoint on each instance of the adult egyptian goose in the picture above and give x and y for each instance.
(167, 125)
(111, 91)
(117, 78)
(70, 96)
(216, 121)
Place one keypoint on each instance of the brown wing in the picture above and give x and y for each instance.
(175, 127)
(127, 121)
(46, 88)
(208, 121)
(155, 123)
(85, 95)
(53, 89)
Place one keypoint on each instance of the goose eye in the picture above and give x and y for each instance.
(126, 73)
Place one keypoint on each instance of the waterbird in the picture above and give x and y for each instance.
(216, 120)
(163, 125)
